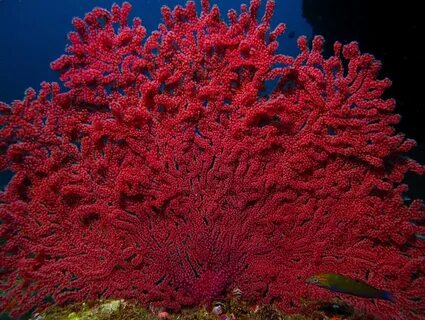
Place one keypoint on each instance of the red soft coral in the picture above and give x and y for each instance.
(166, 173)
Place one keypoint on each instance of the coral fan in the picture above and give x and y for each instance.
(167, 172)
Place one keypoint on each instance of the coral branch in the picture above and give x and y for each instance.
(169, 172)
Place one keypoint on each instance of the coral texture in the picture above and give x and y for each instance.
(169, 171)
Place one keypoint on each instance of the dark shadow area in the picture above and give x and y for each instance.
(392, 32)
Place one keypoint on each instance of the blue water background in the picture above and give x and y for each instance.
(34, 32)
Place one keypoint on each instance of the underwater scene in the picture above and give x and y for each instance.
(211, 159)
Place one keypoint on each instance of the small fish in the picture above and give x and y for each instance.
(339, 283)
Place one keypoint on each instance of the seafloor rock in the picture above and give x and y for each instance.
(232, 310)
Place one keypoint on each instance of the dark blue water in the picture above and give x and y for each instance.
(34, 33)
